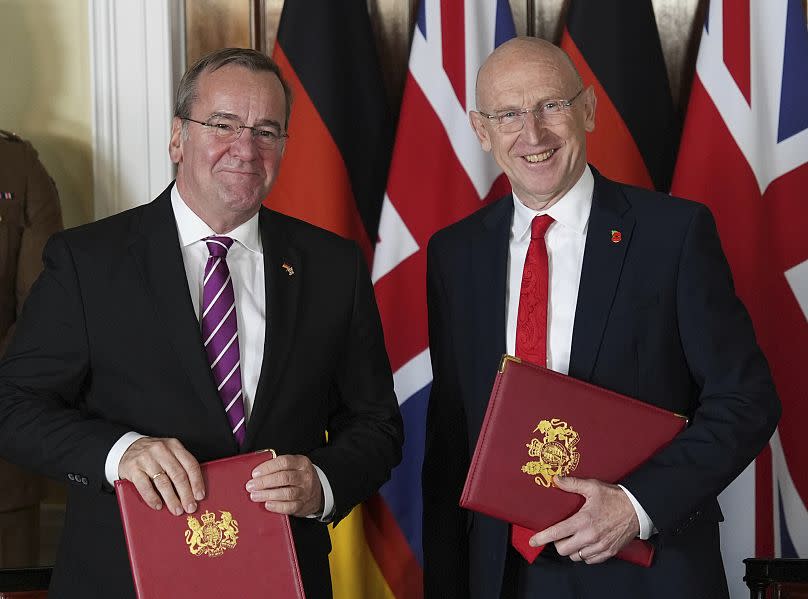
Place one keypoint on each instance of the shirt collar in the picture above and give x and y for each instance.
(191, 228)
(572, 210)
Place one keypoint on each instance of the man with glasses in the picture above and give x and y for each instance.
(196, 327)
(619, 286)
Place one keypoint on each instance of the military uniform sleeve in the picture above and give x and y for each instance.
(42, 217)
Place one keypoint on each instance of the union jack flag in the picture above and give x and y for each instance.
(438, 175)
(744, 152)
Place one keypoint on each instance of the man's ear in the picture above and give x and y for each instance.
(175, 143)
(477, 123)
(590, 103)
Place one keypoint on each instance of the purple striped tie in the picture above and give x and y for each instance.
(220, 332)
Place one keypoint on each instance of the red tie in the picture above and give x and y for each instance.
(531, 334)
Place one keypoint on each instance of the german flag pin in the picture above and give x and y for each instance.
(617, 236)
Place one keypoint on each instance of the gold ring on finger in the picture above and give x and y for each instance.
(583, 559)
(158, 475)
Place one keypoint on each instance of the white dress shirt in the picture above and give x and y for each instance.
(245, 259)
(566, 241)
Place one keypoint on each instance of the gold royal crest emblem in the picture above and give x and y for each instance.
(212, 537)
(556, 452)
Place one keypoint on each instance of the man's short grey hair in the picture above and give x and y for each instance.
(243, 57)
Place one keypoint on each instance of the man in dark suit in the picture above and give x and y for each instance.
(635, 296)
(109, 376)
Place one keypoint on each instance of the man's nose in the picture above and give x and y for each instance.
(534, 126)
(244, 145)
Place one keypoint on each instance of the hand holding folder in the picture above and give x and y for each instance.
(540, 424)
(230, 547)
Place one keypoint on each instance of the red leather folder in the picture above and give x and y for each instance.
(230, 547)
(539, 424)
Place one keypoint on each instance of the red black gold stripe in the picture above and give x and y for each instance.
(615, 46)
(334, 170)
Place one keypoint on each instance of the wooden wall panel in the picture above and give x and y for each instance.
(543, 18)
(212, 24)
(679, 23)
(266, 16)
(393, 22)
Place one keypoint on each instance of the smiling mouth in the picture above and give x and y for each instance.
(534, 158)
(237, 172)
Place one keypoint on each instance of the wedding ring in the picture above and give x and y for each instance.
(162, 472)
(583, 559)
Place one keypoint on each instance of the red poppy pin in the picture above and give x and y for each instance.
(617, 236)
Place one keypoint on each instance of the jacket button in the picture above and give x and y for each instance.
(83, 480)
(71, 477)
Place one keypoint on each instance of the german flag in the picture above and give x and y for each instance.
(340, 134)
(333, 175)
(615, 46)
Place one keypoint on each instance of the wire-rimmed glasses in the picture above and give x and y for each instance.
(228, 129)
(549, 112)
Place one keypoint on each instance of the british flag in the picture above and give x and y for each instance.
(438, 175)
(744, 152)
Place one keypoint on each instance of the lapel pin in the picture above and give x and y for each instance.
(288, 268)
(6, 195)
(617, 236)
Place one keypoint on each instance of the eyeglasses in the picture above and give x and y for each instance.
(227, 130)
(550, 112)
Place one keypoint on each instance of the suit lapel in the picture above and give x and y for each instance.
(283, 271)
(488, 266)
(156, 250)
(603, 263)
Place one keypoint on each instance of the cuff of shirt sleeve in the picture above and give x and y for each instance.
(116, 453)
(647, 527)
(328, 498)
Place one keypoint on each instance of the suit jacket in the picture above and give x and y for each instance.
(108, 342)
(657, 318)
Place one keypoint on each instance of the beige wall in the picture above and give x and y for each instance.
(45, 92)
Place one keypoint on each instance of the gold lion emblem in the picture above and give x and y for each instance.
(212, 537)
(556, 452)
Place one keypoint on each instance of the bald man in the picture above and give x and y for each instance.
(640, 300)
